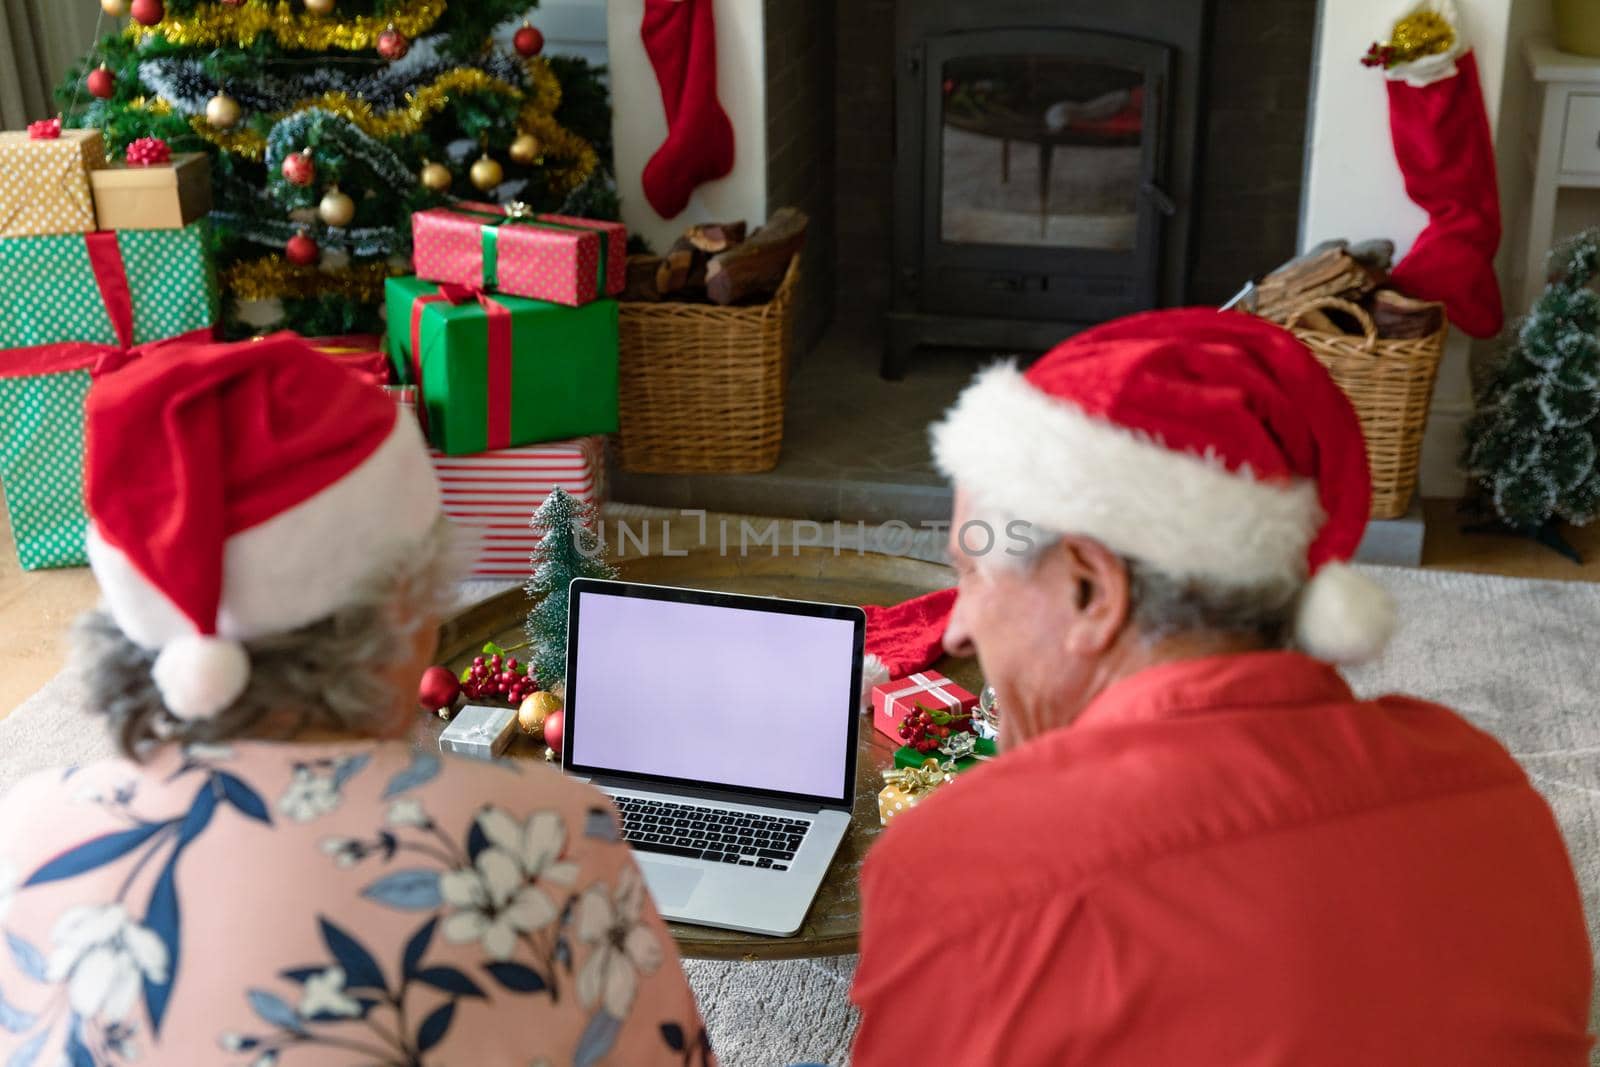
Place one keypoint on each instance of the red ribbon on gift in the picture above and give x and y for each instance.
(111, 276)
(498, 417)
(148, 152)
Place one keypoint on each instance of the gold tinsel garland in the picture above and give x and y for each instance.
(158, 106)
(569, 159)
(273, 277)
(1424, 33)
(216, 24)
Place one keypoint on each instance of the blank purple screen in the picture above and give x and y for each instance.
(713, 694)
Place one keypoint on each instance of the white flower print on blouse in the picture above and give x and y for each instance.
(408, 812)
(9, 879)
(324, 995)
(622, 948)
(498, 898)
(314, 790)
(105, 956)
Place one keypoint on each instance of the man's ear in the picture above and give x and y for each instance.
(1097, 580)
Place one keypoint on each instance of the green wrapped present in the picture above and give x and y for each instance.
(83, 286)
(982, 749)
(499, 371)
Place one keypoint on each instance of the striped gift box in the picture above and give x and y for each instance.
(494, 494)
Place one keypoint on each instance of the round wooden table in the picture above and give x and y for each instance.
(834, 923)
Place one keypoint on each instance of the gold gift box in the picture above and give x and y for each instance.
(165, 196)
(44, 184)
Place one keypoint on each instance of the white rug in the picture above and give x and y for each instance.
(1515, 657)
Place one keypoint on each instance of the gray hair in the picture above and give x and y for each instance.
(1163, 605)
(328, 674)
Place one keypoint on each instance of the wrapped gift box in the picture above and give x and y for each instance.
(162, 196)
(479, 732)
(892, 701)
(983, 749)
(906, 787)
(500, 371)
(72, 287)
(44, 183)
(558, 258)
(494, 495)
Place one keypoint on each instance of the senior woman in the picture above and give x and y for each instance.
(271, 874)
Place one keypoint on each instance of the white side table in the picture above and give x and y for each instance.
(1567, 152)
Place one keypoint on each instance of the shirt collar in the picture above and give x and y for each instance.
(1248, 679)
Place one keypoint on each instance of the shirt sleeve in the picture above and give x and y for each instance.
(984, 982)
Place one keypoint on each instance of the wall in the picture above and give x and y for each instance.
(639, 124)
(1354, 188)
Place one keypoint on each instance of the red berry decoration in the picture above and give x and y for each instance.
(392, 44)
(302, 251)
(438, 689)
(528, 41)
(147, 12)
(101, 82)
(554, 724)
(299, 168)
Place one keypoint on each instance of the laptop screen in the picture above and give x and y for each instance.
(741, 692)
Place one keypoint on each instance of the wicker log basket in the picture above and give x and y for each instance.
(701, 387)
(1390, 383)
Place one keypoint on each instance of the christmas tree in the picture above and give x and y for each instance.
(1531, 447)
(558, 559)
(329, 122)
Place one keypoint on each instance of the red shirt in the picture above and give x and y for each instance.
(1229, 861)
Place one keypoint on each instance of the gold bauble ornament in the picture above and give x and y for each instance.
(336, 209)
(535, 706)
(115, 8)
(487, 173)
(435, 177)
(222, 111)
(525, 149)
(320, 7)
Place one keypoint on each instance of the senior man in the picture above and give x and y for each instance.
(1198, 847)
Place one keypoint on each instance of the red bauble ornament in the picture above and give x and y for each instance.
(554, 724)
(101, 82)
(528, 40)
(438, 689)
(393, 45)
(299, 168)
(302, 251)
(147, 12)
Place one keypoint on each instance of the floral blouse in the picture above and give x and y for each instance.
(357, 903)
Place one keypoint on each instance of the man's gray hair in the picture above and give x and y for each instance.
(328, 674)
(1165, 605)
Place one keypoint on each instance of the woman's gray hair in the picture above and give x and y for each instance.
(1164, 605)
(328, 674)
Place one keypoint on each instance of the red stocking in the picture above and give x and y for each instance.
(680, 37)
(1442, 141)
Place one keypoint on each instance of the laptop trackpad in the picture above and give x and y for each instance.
(670, 884)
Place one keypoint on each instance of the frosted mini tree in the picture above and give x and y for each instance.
(1532, 445)
(558, 559)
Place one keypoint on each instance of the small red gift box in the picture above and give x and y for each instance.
(508, 249)
(494, 495)
(893, 701)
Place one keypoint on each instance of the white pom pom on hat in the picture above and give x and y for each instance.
(1343, 616)
(198, 677)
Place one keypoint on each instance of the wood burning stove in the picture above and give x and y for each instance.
(1044, 167)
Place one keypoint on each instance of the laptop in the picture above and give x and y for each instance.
(724, 728)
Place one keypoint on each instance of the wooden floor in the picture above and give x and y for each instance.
(36, 608)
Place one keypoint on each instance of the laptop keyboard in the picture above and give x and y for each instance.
(716, 834)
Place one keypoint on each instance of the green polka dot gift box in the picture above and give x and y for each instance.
(75, 287)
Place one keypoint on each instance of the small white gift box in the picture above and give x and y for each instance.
(479, 732)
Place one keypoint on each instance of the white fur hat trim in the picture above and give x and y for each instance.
(198, 677)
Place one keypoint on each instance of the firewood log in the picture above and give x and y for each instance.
(714, 237)
(757, 266)
(642, 278)
(677, 266)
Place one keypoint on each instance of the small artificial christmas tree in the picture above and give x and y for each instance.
(1531, 447)
(329, 122)
(556, 562)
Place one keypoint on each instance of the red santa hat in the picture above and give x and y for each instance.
(1206, 444)
(236, 491)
